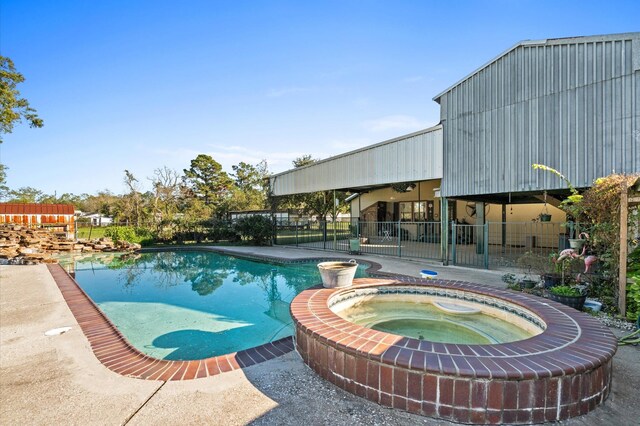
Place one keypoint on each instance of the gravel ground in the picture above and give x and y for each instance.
(304, 398)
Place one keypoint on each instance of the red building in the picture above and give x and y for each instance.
(60, 217)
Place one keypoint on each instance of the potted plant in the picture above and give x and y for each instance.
(578, 243)
(567, 295)
(545, 217)
(528, 283)
(546, 267)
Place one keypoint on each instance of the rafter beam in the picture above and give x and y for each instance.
(550, 200)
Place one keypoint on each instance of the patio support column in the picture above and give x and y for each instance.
(504, 228)
(480, 220)
(444, 230)
(335, 241)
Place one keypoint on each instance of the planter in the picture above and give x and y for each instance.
(551, 280)
(545, 217)
(575, 302)
(576, 244)
(594, 305)
(337, 274)
(354, 245)
(528, 283)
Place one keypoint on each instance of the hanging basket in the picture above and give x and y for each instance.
(576, 244)
(545, 217)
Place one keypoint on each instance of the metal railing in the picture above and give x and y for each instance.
(492, 245)
(402, 239)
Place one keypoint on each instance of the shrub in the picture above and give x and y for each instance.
(633, 298)
(565, 290)
(223, 231)
(257, 229)
(130, 234)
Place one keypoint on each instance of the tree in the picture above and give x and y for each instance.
(319, 203)
(305, 160)
(251, 186)
(132, 202)
(26, 195)
(208, 181)
(166, 190)
(13, 108)
(4, 189)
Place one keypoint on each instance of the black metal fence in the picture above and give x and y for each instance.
(492, 245)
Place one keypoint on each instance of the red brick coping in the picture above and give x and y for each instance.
(118, 355)
(563, 372)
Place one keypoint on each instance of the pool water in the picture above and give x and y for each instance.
(424, 321)
(194, 304)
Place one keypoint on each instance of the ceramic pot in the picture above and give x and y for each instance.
(337, 274)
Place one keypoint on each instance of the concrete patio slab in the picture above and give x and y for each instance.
(49, 380)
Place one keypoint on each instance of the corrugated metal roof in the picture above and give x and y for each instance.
(33, 208)
(550, 41)
(410, 158)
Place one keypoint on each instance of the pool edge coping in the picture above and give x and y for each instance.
(116, 353)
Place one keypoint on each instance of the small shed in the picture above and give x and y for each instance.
(58, 217)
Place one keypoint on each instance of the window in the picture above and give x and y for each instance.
(413, 211)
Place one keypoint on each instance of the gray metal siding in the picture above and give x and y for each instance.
(412, 158)
(570, 105)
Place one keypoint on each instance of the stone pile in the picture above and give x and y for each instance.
(20, 245)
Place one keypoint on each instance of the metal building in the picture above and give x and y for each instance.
(570, 103)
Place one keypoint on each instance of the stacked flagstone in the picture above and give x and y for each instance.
(28, 246)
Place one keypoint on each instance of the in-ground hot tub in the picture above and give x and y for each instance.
(558, 367)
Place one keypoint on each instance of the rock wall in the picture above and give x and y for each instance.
(20, 245)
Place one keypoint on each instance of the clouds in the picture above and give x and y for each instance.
(399, 122)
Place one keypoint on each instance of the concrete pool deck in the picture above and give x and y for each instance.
(46, 380)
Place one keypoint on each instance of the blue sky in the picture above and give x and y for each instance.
(139, 85)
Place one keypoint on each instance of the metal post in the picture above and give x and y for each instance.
(444, 231)
(480, 220)
(486, 245)
(335, 238)
(296, 233)
(399, 240)
(453, 242)
(504, 228)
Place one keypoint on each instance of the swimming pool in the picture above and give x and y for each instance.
(186, 305)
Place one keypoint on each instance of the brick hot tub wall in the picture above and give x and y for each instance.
(563, 372)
